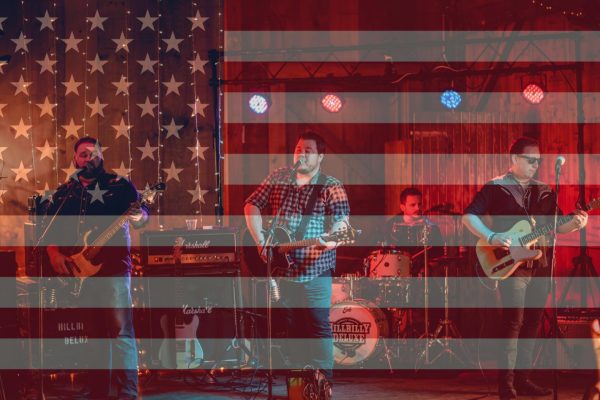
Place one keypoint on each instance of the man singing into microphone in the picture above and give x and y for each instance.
(505, 200)
(310, 204)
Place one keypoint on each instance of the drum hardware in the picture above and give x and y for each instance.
(446, 329)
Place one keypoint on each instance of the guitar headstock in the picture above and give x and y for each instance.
(148, 196)
(346, 235)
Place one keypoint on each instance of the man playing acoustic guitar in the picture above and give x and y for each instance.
(306, 290)
(506, 200)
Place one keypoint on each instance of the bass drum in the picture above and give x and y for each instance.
(357, 328)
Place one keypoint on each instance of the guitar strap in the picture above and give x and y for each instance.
(310, 206)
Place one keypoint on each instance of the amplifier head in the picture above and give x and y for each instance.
(190, 247)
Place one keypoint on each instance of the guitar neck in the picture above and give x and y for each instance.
(286, 247)
(545, 229)
(101, 240)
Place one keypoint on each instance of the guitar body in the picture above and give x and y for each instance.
(280, 261)
(80, 267)
(498, 263)
(185, 351)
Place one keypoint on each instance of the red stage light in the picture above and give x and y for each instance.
(533, 93)
(331, 103)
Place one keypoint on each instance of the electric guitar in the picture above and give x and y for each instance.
(185, 352)
(283, 244)
(499, 263)
(80, 265)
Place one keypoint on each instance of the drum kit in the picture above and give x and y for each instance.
(376, 312)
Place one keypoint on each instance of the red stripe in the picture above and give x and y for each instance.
(267, 15)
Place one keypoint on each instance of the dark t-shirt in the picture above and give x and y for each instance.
(94, 209)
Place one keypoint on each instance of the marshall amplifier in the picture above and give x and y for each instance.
(190, 247)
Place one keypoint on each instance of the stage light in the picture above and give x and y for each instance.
(533, 93)
(332, 103)
(450, 99)
(259, 103)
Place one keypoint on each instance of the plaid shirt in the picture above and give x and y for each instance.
(280, 192)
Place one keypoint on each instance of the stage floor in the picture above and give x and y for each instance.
(382, 386)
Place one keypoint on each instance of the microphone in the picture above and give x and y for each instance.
(560, 161)
(275, 293)
(298, 163)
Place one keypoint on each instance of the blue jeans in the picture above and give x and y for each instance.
(309, 321)
(523, 309)
(117, 353)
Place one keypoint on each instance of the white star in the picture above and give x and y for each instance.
(72, 86)
(197, 194)
(1, 108)
(122, 86)
(197, 151)
(71, 172)
(147, 64)
(172, 86)
(47, 64)
(147, 21)
(122, 129)
(46, 21)
(22, 129)
(47, 151)
(96, 64)
(46, 108)
(2, 19)
(1, 190)
(72, 43)
(147, 107)
(97, 194)
(21, 86)
(122, 42)
(46, 193)
(97, 21)
(4, 148)
(172, 43)
(72, 129)
(172, 172)
(198, 107)
(198, 64)
(147, 150)
(172, 129)
(21, 43)
(122, 172)
(21, 173)
(198, 21)
(97, 107)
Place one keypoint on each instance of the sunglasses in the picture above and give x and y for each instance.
(531, 160)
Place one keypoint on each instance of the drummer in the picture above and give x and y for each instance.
(405, 231)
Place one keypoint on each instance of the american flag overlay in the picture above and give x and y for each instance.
(210, 97)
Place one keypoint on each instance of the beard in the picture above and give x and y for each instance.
(91, 171)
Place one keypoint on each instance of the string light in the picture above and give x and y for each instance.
(128, 97)
(196, 124)
(55, 118)
(26, 71)
(158, 114)
(85, 70)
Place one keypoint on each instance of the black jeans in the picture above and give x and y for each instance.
(305, 310)
(523, 296)
(116, 351)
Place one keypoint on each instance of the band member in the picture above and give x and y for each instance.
(407, 232)
(90, 199)
(306, 292)
(508, 199)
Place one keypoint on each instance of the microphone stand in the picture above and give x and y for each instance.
(553, 286)
(268, 246)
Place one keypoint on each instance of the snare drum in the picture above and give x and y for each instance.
(387, 264)
(357, 327)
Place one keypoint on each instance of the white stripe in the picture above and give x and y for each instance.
(206, 295)
(74, 356)
(409, 46)
(423, 107)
